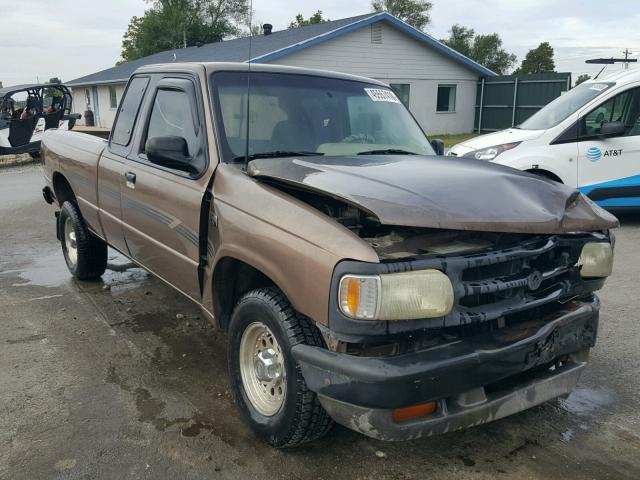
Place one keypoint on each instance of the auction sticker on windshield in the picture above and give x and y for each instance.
(381, 95)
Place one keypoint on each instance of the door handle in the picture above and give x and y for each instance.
(131, 179)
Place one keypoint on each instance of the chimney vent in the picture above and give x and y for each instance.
(267, 28)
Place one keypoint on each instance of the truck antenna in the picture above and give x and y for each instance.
(246, 146)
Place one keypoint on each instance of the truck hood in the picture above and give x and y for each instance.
(440, 192)
(510, 135)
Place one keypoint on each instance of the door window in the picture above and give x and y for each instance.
(624, 107)
(172, 116)
(123, 128)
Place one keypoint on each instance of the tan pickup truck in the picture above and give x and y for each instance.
(360, 275)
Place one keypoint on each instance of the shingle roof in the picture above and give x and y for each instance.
(267, 47)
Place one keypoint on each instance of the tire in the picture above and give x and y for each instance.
(300, 417)
(88, 260)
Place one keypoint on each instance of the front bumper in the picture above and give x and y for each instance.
(473, 380)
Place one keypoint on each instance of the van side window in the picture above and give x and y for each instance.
(624, 107)
(129, 108)
(172, 116)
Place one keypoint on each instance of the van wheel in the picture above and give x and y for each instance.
(85, 254)
(266, 380)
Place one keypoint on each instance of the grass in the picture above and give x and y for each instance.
(451, 140)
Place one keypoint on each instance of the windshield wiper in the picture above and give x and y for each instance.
(388, 151)
(276, 154)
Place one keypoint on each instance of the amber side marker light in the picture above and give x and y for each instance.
(415, 411)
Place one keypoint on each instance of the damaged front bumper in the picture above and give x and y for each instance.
(473, 380)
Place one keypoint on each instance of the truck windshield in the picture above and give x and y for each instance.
(563, 106)
(303, 114)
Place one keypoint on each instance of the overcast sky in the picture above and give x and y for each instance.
(72, 38)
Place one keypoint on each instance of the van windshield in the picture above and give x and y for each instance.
(310, 115)
(563, 106)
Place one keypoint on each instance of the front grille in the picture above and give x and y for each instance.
(500, 283)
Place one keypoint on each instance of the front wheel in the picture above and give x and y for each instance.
(85, 254)
(266, 380)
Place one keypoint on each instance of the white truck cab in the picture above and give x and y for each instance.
(588, 138)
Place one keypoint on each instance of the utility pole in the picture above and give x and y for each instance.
(626, 56)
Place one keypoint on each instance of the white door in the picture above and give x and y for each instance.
(609, 167)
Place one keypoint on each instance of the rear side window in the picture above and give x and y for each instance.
(172, 116)
(128, 113)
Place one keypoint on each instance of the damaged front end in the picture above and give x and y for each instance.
(519, 320)
(518, 333)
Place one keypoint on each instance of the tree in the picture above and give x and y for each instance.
(171, 24)
(485, 49)
(300, 21)
(414, 12)
(538, 60)
(582, 78)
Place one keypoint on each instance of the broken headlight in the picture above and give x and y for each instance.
(596, 260)
(490, 153)
(396, 296)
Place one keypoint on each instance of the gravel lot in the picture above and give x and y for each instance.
(123, 379)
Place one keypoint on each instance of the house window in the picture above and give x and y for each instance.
(402, 91)
(446, 98)
(376, 33)
(113, 99)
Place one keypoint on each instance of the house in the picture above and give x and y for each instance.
(437, 83)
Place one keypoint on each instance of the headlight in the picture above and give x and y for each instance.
(396, 296)
(490, 153)
(596, 260)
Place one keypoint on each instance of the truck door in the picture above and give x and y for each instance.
(609, 167)
(161, 201)
(111, 166)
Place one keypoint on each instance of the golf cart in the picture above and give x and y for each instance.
(26, 111)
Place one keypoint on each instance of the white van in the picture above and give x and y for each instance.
(588, 138)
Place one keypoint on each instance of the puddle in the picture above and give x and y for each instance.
(586, 401)
(47, 271)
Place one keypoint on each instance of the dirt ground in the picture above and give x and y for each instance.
(122, 378)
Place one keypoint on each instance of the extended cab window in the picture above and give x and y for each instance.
(310, 115)
(123, 128)
(172, 116)
(624, 107)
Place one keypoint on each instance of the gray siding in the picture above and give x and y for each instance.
(399, 59)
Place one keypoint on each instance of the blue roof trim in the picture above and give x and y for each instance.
(417, 34)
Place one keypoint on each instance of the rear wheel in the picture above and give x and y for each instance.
(266, 380)
(85, 254)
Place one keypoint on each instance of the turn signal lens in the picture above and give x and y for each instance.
(359, 296)
(596, 260)
(416, 411)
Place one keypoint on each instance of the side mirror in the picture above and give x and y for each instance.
(170, 152)
(438, 146)
(612, 129)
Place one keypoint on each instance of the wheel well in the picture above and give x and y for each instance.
(546, 174)
(62, 189)
(233, 278)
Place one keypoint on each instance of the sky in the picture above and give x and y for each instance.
(71, 38)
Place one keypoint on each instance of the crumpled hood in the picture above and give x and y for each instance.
(509, 135)
(441, 192)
